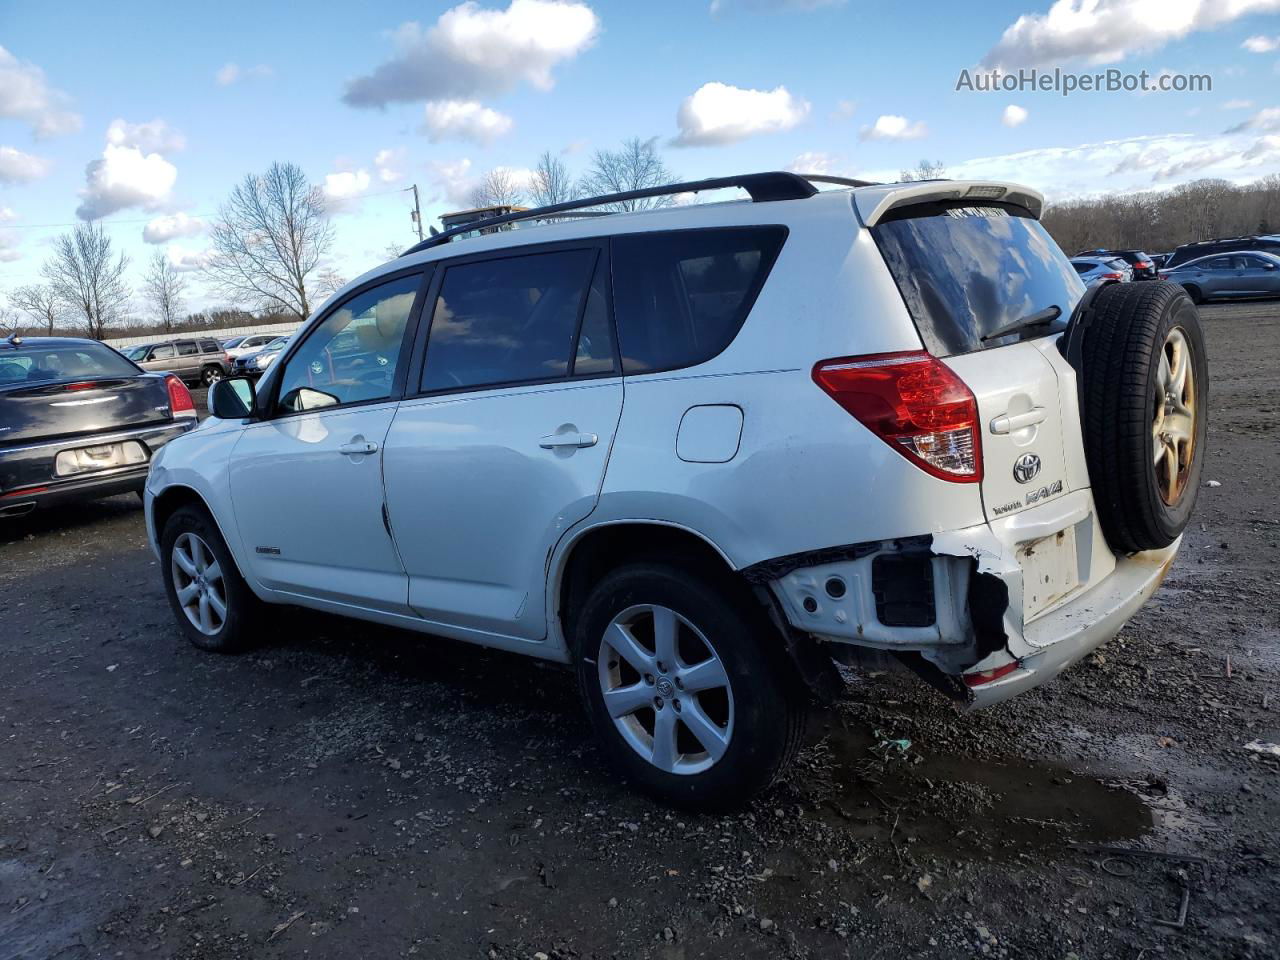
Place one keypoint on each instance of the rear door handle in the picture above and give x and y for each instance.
(560, 440)
(358, 448)
(1007, 423)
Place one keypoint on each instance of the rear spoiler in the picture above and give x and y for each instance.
(874, 202)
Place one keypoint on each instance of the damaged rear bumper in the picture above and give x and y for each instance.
(994, 610)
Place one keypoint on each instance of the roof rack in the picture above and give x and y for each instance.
(762, 188)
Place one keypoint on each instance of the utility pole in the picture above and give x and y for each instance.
(416, 215)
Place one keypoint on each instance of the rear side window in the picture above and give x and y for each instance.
(680, 297)
(966, 271)
(187, 348)
(511, 320)
(210, 346)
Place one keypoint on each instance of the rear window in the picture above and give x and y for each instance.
(680, 297)
(87, 361)
(966, 271)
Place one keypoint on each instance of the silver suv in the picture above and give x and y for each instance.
(196, 360)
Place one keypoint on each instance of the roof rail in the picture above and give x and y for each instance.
(762, 187)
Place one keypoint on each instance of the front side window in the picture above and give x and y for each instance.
(680, 297)
(163, 352)
(511, 320)
(351, 356)
(1219, 263)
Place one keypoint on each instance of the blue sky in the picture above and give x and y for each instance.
(146, 114)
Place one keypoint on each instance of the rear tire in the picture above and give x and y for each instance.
(211, 375)
(213, 605)
(706, 726)
(1145, 396)
(1194, 293)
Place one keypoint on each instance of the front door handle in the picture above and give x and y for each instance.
(357, 448)
(1007, 423)
(561, 440)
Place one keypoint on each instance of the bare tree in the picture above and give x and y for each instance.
(499, 187)
(38, 301)
(268, 239)
(924, 170)
(552, 182)
(164, 287)
(329, 281)
(88, 277)
(636, 165)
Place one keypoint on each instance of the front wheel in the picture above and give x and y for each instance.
(210, 600)
(687, 686)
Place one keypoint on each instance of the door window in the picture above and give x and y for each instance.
(1219, 263)
(187, 348)
(163, 352)
(351, 356)
(515, 320)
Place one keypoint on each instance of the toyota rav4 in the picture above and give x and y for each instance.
(701, 452)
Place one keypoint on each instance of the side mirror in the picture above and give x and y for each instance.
(232, 398)
(1268, 265)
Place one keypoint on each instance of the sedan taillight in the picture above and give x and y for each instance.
(180, 402)
(913, 402)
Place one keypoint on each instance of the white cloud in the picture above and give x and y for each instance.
(1264, 121)
(813, 161)
(26, 95)
(19, 167)
(155, 136)
(1014, 115)
(188, 261)
(164, 229)
(472, 52)
(464, 120)
(1237, 105)
(387, 163)
(1261, 44)
(891, 127)
(125, 177)
(844, 109)
(1108, 31)
(7, 215)
(453, 182)
(8, 249)
(718, 113)
(230, 73)
(132, 171)
(341, 189)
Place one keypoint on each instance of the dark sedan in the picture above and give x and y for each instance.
(79, 421)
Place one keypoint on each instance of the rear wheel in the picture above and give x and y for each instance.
(210, 600)
(1145, 388)
(686, 686)
(211, 375)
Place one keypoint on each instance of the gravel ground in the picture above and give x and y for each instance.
(351, 791)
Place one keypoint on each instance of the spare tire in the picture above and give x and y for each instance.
(1144, 381)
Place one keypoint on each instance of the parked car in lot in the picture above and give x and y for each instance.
(251, 343)
(1230, 277)
(1269, 243)
(79, 421)
(196, 360)
(702, 452)
(1139, 262)
(255, 363)
(1102, 268)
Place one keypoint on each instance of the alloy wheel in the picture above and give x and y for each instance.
(1173, 426)
(666, 689)
(198, 583)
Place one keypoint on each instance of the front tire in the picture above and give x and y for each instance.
(687, 686)
(213, 605)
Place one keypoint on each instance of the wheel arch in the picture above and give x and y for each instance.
(173, 498)
(606, 545)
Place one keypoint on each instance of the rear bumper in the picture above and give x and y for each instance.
(31, 481)
(1070, 632)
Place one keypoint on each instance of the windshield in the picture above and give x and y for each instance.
(967, 270)
(71, 361)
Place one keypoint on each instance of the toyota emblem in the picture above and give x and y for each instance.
(1026, 467)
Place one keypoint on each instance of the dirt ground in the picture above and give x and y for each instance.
(349, 791)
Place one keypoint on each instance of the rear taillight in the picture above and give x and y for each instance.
(913, 402)
(180, 401)
(1142, 265)
(978, 678)
(1113, 276)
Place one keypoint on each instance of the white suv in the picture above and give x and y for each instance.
(701, 451)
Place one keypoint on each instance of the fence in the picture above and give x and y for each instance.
(281, 329)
